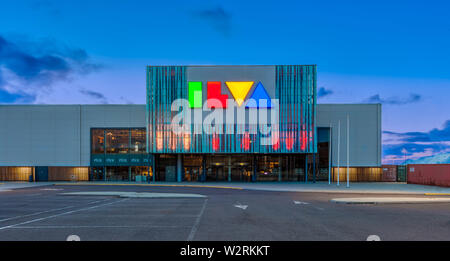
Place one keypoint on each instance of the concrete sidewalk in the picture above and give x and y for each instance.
(11, 185)
(391, 200)
(319, 187)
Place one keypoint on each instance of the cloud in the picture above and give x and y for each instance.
(7, 97)
(218, 18)
(323, 92)
(27, 68)
(412, 98)
(96, 95)
(435, 135)
(415, 145)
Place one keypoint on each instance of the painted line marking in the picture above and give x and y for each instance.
(61, 214)
(46, 211)
(239, 205)
(197, 222)
(146, 185)
(66, 227)
(300, 203)
(307, 203)
(33, 214)
(97, 201)
(437, 194)
(51, 189)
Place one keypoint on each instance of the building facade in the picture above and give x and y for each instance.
(200, 123)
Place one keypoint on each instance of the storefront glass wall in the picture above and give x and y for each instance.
(243, 167)
(117, 140)
(137, 143)
(98, 141)
(117, 174)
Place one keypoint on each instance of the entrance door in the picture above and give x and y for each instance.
(193, 167)
(192, 173)
(41, 173)
(97, 174)
(241, 173)
(216, 173)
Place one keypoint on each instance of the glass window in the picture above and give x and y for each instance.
(117, 174)
(117, 141)
(137, 141)
(98, 141)
(140, 173)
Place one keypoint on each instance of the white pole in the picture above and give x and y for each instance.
(348, 148)
(329, 156)
(339, 149)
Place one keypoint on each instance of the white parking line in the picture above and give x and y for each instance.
(300, 203)
(97, 201)
(307, 203)
(66, 227)
(61, 214)
(33, 214)
(197, 222)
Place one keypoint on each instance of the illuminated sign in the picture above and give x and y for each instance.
(239, 90)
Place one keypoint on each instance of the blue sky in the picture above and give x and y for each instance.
(392, 52)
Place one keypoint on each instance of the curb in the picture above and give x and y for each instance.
(145, 185)
(134, 194)
(389, 200)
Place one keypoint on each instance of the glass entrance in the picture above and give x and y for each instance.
(117, 174)
(193, 168)
(97, 174)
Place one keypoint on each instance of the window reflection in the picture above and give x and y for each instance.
(137, 141)
(98, 141)
(117, 140)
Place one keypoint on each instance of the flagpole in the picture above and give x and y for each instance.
(348, 150)
(339, 151)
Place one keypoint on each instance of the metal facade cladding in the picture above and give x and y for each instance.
(294, 87)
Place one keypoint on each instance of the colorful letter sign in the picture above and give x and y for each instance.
(214, 92)
(239, 90)
(195, 94)
(215, 99)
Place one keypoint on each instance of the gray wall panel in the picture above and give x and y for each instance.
(59, 135)
(40, 135)
(365, 132)
(107, 116)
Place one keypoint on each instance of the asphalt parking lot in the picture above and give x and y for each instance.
(44, 213)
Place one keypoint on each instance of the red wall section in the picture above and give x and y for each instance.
(429, 174)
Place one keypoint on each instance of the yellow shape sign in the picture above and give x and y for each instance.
(239, 90)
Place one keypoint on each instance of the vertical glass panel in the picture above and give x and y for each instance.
(140, 173)
(98, 141)
(137, 141)
(97, 174)
(117, 141)
(117, 173)
(268, 168)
